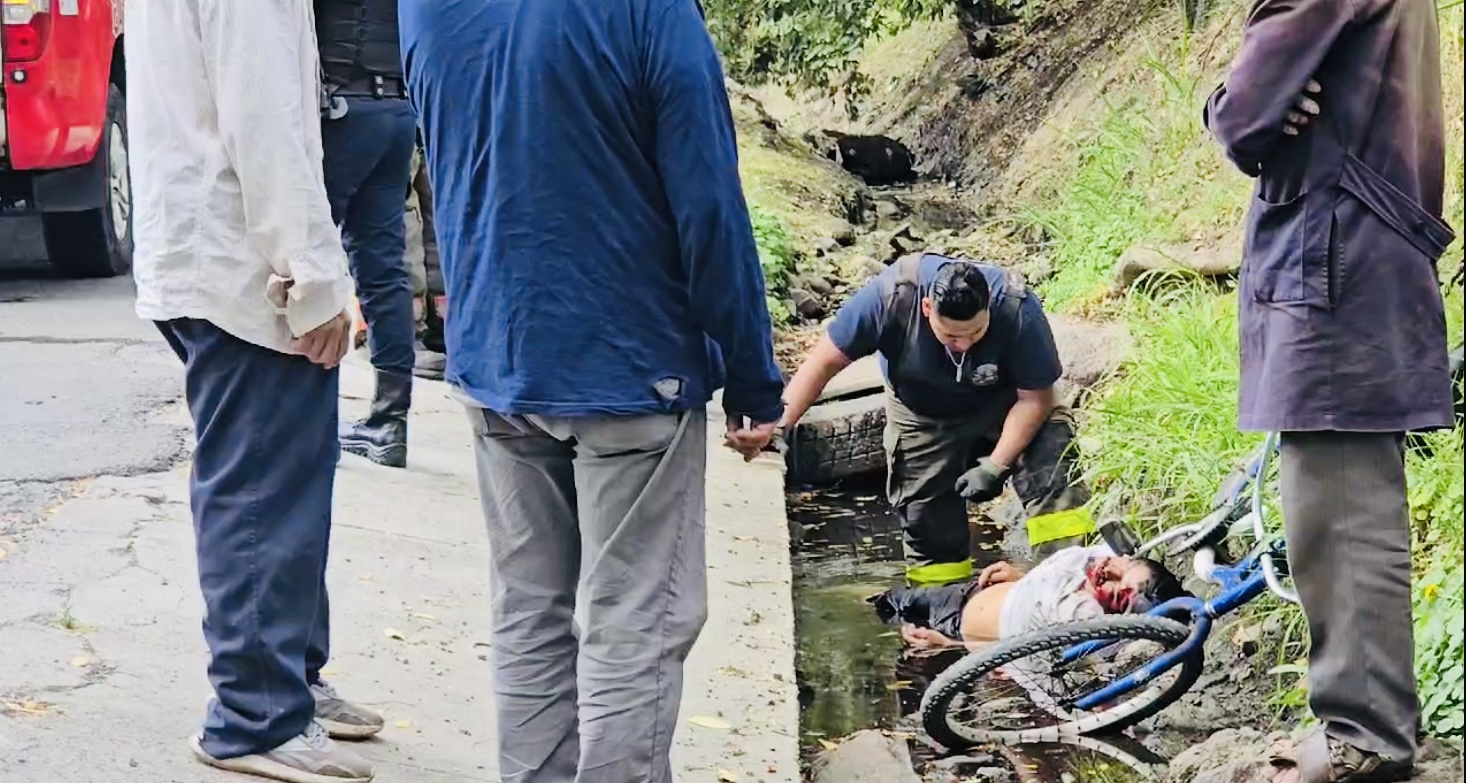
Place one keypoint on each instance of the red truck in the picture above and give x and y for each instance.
(63, 139)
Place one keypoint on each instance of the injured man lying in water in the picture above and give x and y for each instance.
(1077, 583)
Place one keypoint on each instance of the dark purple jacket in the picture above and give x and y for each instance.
(1342, 325)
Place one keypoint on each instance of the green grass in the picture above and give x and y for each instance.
(1159, 437)
(1143, 172)
(1164, 433)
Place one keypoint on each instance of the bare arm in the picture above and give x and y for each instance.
(1024, 420)
(998, 573)
(823, 363)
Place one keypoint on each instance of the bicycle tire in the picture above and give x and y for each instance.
(961, 676)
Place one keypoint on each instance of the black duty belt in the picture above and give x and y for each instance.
(369, 87)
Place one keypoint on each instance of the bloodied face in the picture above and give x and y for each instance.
(1129, 585)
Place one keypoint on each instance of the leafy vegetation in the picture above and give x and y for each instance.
(806, 42)
(1137, 168)
(1440, 596)
(1159, 438)
(817, 43)
(1124, 177)
(776, 257)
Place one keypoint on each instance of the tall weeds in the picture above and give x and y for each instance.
(1142, 172)
(1158, 438)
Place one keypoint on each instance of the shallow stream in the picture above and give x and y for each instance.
(853, 674)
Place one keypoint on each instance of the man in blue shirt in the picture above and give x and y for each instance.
(970, 366)
(604, 281)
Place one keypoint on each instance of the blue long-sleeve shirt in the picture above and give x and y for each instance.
(596, 246)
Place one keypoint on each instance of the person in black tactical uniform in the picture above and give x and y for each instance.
(369, 130)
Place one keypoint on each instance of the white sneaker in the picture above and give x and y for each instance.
(310, 758)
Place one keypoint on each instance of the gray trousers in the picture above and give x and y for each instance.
(1348, 531)
(597, 539)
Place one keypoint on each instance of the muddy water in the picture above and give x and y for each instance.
(852, 672)
(847, 548)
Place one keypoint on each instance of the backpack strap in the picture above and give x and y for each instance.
(1014, 292)
(901, 299)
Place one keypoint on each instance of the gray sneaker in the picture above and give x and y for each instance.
(429, 364)
(342, 719)
(310, 758)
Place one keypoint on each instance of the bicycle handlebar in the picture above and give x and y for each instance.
(1253, 474)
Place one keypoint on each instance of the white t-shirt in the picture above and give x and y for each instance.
(1052, 593)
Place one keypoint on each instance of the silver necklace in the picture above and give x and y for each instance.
(958, 363)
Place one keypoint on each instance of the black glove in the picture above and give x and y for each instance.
(982, 483)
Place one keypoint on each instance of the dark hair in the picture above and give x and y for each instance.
(1162, 587)
(960, 291)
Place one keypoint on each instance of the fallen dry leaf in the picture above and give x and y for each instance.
(727, 776)
(828, 745)
(393, 633)
(424, 616)
(81, 661)
(28, 707)
(403, 724)
(3, 553)
(709, 722)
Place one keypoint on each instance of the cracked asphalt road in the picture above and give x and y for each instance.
(103, 667)
(82, 380)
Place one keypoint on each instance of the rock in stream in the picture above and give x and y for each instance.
(866, 757)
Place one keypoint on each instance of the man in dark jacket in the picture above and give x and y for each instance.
(601, 272)
(368, 131)
(1335, 108)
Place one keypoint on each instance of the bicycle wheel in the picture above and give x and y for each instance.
(1020, 691)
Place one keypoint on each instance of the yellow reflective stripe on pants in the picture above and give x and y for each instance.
(939, 573)
(1059, 524)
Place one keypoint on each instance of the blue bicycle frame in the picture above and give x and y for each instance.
(1239, 584)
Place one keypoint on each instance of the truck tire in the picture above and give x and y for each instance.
(98, 242)
(837, 440)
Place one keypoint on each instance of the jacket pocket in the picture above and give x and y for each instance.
(1286, 259)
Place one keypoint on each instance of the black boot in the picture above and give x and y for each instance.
(382, 436)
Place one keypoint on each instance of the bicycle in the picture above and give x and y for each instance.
(1129, 681)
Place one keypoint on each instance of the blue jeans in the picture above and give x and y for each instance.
(368, 167)
(263, 473)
